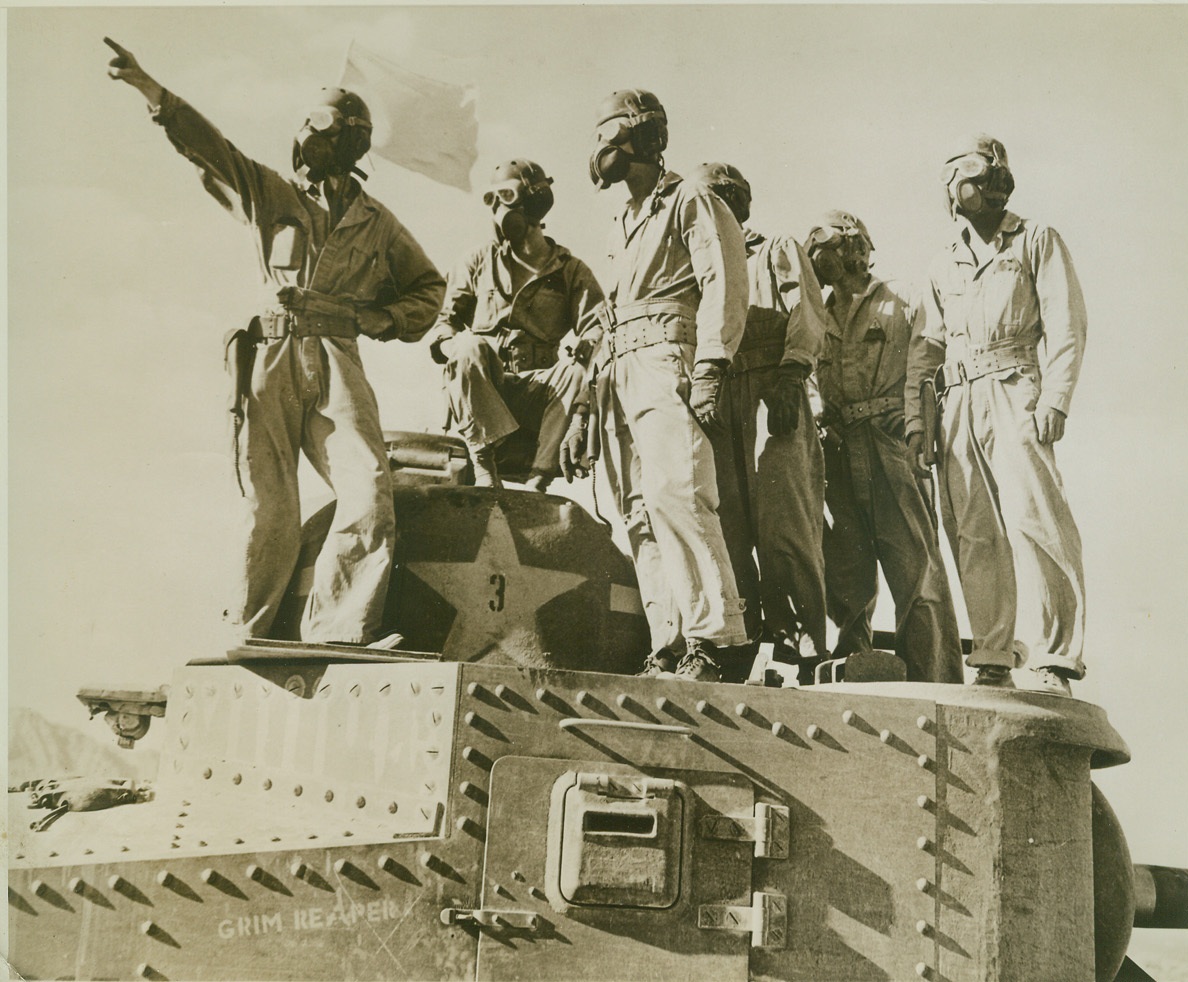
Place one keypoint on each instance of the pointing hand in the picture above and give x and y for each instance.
(125, 68)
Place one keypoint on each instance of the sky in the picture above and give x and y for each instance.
(123, 275)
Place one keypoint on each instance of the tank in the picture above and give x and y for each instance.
(495, 797)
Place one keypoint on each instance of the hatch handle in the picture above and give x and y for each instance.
(573, 722)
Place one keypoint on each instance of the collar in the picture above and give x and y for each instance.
(1010, 224)
(753, 240)
(558, 255)
(858, 299)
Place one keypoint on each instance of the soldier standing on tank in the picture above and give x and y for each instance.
(335, 264)
(882, 516)
(675, 314)
(773, 507)
(508, 306)
(1005, 331)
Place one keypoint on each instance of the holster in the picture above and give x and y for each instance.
(930, 418)
(239, 356)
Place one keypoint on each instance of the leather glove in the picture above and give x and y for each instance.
(437, 338)
(783, 405)
(1049, 424)
(575, 444)
(703, 394)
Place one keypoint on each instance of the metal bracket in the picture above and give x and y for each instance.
(516, 920)
(766, 919)
(768, 829)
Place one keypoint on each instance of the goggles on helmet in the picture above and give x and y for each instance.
(977, 167)
(322, 119)
(832, 237)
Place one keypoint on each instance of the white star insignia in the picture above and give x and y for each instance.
(496, 597)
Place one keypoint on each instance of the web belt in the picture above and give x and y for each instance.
(632, 326)
(274, 324)
(856, 412)
(985, 361)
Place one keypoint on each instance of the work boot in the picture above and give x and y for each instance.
(486, 471)
(997, 676)
(1053, 680)
(538, 482)
(699, 663)
(659, 662)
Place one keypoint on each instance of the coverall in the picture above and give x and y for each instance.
(881, 515)
(993, 325)
(774, 506)
(504, 373)
(307, 390)
(679, 295)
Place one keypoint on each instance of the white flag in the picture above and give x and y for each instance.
(421, 124)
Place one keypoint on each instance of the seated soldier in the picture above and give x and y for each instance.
(507, 308)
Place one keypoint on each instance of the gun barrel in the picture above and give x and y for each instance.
(1161, 897)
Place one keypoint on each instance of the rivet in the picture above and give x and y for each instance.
(924, 843)
(848, 716)
(813, 731)
(702, 705)
(348, 833)
(238, 841)
(360, 802)
(469, 719)
(922, 884)
(517, 876)
(122, 849)
(77, 885)
(276, 838)
(741, 709)
(924, 760)
(297, 789)
(886, 736)
(584, 698)
(146, 971)
(501, 690)
(922, 970)
(425, 859)
(473, 689)
(237, 779)
(924, 801)
(542, 694)
(88, 852)
(207, 773)
(267, 784)
(924, 723)
(662, 703)
(392, 807)
(201, 843)
(299, 869)
(922, 927)
(622, 699)
(778, 729)
(538, 893)
(356, 689)
(329, 796)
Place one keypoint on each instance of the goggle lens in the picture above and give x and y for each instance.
(508, 194)
(323, 118)
(612, 131)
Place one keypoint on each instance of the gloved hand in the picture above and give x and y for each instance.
(437, 339)
(915, 442)
(575, 444)
(1049, 424)
(783, 404)
(703, 395)
(586, 345)
(125, 68)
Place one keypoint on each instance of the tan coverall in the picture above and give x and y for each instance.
(881, 516)
(774, 506)
(308, 391)
(504, 374)
(1002, 501)
(679, 295)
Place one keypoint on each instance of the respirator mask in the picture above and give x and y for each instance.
(520, 196)
(330, 142)
(979, 180)
(839, 246)
(633, 128)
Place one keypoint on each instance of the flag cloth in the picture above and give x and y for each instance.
(421, 124)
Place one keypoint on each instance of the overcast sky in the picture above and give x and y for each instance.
(124, 276)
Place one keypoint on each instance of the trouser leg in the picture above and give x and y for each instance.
(974, 525)
(1044, 540)
(734, 463)
(472, 379)
(268, 447)
(620, 464)
(851, 570)
(540, 402)
(926, 633)
(344, 442)
(679, 486)
(790, 506)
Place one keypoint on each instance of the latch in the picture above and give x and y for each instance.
(768, 829)
(514, 920)
(766, 919)
(620, 786)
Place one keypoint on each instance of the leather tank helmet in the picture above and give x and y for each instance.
(728, 184)
(838, 243)
(631, 127)
(520, 194)
(336, 133)
(978, 178)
